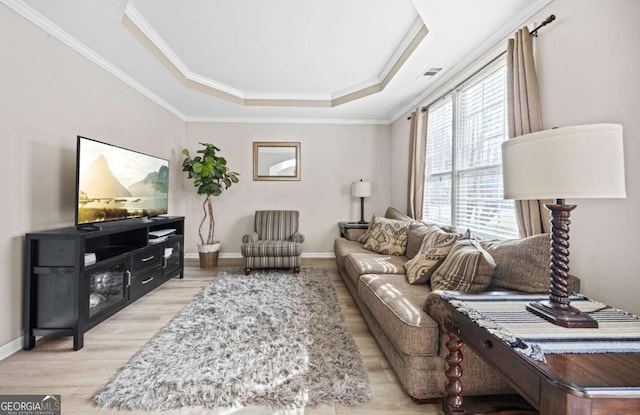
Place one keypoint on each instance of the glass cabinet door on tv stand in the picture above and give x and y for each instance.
(107, 286)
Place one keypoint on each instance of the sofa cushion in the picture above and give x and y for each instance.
(397, 307)
(521, 264)
(435, 247)
(343, 247)
(468, 267)
(357, 264)
(393, 213)
(388, 236)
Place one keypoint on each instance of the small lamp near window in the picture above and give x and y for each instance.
(585, 161)
(361, 189)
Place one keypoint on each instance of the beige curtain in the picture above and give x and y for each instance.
(417, 158)
(525, 117)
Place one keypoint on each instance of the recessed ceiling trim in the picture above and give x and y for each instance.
(147, 35)
(56, 31)
(147, 30)
(328, 121)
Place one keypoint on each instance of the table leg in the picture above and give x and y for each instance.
(453, 401)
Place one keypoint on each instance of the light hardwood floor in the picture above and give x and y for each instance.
(53, 368)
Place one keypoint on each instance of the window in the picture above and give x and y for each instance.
(463, 175)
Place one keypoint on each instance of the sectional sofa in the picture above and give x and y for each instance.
(393, 308)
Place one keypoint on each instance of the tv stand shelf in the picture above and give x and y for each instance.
(65, 297)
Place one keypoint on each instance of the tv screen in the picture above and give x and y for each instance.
(114, 183)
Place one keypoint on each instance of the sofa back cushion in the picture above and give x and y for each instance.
(435, 247)
(393, 213)
(521, 264)
(388, 236)
(468, 267)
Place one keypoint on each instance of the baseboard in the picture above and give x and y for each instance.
(238, 255)
(10, 348)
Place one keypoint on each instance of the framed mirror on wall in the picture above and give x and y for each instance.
(276, 160)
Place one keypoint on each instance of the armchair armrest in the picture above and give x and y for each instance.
(250, 237)
(297, 237)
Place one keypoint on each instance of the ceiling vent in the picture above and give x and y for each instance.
(431, 71)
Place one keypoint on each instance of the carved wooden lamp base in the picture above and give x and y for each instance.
(558, 309)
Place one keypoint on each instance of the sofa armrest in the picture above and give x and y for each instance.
(297, 237)
(354, 234)
(250, 237)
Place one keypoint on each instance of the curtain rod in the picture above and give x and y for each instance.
(534, 33)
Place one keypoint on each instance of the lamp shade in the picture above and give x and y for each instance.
(361, 189)
(585, 161)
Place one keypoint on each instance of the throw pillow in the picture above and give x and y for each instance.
(417, 231)
(468, 267)
(435, 247)
(388, 236)
(521, 264)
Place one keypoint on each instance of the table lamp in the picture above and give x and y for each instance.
(361, 189)
(585, 161)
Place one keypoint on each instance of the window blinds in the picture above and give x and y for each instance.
(463, 183)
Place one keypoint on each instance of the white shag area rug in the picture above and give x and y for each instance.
(271, 339)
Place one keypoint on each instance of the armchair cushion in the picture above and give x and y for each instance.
(271, 249)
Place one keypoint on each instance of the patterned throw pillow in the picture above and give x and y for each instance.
(468, 267)
(435, 247)
(388, 236)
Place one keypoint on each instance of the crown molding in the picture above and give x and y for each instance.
(56, 31)
(476, 53)
(254, 120)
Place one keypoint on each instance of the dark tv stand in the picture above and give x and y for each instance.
(64, 296)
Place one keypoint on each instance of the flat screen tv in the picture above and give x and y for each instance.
(114, 183)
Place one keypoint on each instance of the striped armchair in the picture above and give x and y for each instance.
(275, 242)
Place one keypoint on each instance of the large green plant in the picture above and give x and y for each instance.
(211, 176)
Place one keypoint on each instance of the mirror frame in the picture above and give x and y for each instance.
(265, 144)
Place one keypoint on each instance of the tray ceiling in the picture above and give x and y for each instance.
(355, 61)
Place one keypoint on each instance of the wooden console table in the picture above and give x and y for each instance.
(573, 384)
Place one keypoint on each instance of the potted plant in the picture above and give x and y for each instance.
(211, 177)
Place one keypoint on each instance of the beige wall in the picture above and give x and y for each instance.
(49, 95)
(588, 64)
(333, 156)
